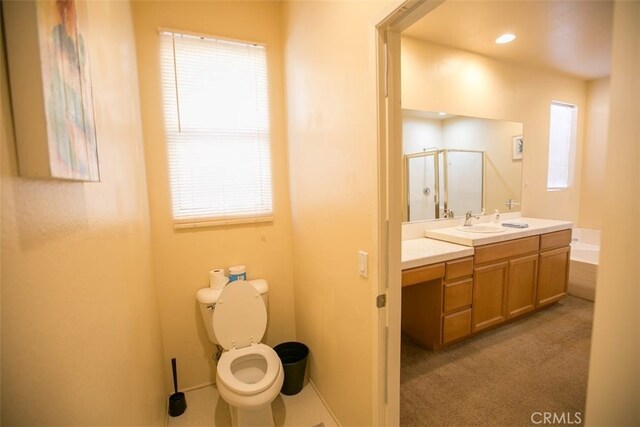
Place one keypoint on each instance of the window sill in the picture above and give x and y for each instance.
(179, 224)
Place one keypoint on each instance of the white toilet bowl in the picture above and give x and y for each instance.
(249, 379)
(249, 374)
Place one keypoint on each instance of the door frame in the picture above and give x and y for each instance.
(393, 21)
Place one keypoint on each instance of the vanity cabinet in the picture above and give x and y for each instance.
(516, 277)
(436, 302)
(505, 277)
(421, 304)
(446, 302)
(554, 267)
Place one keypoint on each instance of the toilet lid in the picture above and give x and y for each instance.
(240, 316)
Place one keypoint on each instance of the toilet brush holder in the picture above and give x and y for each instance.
(177, 401)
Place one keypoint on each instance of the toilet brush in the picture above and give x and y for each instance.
(177, 401)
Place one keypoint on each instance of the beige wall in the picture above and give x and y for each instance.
(81, 340)
(331, 110)
(593, 190)
(183, 258)
(614, 373)
(419, 133)
(437, 78)
(503, 174)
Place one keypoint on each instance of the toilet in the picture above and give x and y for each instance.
(249, 374)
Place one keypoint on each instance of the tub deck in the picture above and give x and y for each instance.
(583, 269)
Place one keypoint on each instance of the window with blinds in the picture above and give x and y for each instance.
(562, 136)
(217, 129)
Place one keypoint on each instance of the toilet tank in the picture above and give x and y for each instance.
(263, 287)
(208, 297)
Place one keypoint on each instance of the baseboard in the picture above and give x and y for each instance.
(324, 402)
(203, 385)
(198, 387)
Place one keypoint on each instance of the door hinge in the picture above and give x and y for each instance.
(381, 300)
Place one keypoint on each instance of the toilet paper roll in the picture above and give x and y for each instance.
(217, 279)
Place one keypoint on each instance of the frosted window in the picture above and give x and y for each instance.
(217, 128)
(561, 145)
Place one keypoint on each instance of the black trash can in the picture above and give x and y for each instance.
(294, 361)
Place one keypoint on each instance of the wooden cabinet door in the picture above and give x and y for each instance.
(521, 291)
(489, 293)
(553, 275)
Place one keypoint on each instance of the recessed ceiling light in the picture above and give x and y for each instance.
(442, 113)
(505, 38)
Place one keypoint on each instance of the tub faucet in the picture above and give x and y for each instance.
(511, 203)
(467, 218)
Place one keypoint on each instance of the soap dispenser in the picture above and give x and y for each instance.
(496, 216)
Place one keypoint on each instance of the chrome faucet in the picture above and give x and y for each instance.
(467, 218)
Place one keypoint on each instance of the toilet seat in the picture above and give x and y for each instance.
(226, 375)
(239, 322)
(240, 316)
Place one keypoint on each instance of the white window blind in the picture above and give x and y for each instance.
(217, 128)
(562, 127)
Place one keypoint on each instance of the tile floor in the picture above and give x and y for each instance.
(206, 408)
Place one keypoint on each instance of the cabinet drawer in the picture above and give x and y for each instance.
(513, 248)
(456, 326)
(459, 269)
(457, 295)
(555, 240)
(422, 274)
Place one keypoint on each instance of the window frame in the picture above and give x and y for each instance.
(197, 221)
(571, 154)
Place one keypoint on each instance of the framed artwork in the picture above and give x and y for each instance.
(52, 102)
(518, 147)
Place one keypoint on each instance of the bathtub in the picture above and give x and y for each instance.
(583, 268)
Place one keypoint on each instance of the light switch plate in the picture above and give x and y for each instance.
(363, 263)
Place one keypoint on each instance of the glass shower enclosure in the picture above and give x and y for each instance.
(442, 183)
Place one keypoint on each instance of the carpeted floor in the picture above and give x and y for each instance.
(502, 377)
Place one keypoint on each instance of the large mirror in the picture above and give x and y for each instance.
(454, 164)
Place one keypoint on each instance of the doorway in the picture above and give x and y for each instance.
(389, 37)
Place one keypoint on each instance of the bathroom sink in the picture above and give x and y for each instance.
(482, 228)
(484, 233)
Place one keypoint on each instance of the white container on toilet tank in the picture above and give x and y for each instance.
(239, 272)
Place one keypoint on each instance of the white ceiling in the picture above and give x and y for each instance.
(572, 37)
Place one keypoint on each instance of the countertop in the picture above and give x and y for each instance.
(424, 251)
(536, 226)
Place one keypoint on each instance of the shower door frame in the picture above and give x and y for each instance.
(436, 179)
(444, 195)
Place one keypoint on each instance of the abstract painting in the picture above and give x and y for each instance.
(68, 100)
(517, 147)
